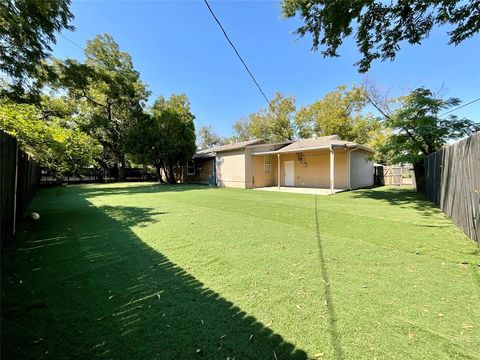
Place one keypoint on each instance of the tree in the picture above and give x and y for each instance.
(59, 149)
(274, 123)
(26, 32)
(418, 130)
(339, 113)
(109, 92)
(381, 26)
(166, 137)
(207, 138)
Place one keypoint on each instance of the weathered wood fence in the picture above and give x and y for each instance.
(453, 183)
(394, 175)
(19, 180)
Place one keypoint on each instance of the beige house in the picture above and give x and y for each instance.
(323, 162)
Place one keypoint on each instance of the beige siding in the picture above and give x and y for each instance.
(361, 169)
(262, 178)
(314, 170)
(231, 169)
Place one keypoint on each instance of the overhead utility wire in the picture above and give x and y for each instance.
(238, 54)
(471, 102)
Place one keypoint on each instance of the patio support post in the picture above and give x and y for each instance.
(278, 171)
(332, 170)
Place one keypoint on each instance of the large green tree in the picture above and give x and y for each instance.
(207, 138)
(109, 93)
(27, 29)
(273, 123)
(56, 144)
(165, 138)
(380, 27)
(418, 130)
(340, 112)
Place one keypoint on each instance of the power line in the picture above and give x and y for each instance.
(72, 42)
(238, 54)
(471, 102)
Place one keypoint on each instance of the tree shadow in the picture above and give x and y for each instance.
(132, 216)
(332, 317)
(116, 188)
(398, 196)
(81, 284)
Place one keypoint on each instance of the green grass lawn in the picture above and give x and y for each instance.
(146, 271)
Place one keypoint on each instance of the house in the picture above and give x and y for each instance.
(321, 162)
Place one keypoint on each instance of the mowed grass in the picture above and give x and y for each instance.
(147, 271)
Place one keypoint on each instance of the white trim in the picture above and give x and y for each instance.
(267, 165)
(278, 171)
(332, 170)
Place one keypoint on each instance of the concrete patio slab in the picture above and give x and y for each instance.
(300, 190)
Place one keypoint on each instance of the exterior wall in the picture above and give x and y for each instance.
(254, 166)
(203, 169)
(231, 169)
(361, 169)
(260, 177)
(314, 171)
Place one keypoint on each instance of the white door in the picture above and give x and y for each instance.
(289, 173)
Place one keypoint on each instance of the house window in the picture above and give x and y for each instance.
(191, 167)
(267, 163)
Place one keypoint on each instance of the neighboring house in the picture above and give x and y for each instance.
(322, 162)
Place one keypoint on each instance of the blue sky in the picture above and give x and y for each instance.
(178, 48)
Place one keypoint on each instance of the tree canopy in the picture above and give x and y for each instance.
(273, 123)
(418, 130)
(380, 27)
(109, 93)
(26, 32)
(207, 138)
(63, 150)
(166, 137)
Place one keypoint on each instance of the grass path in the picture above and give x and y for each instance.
(136, 271)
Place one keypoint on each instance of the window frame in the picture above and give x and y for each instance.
(267, 164)
(190, 167)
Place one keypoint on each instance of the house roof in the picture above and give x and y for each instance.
(321, 142)
(228, 147)
(315, 143)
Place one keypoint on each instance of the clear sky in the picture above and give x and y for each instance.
(178, 48)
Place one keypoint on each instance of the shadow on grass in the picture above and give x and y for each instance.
(90, 191)
(332, 317)
(79, 283)
(398, 196)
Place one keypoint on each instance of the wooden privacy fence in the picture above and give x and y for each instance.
(453, 183)
(394, 175)
(94, 175)
(19, 180)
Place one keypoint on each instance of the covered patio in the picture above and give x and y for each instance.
(312, 166)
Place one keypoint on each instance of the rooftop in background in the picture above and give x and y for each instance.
(229, 147)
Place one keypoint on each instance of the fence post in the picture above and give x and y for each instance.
(15, 189)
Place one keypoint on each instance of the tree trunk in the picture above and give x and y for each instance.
(121, 168)
(419, 169)
(171, 174)
(158, 169)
